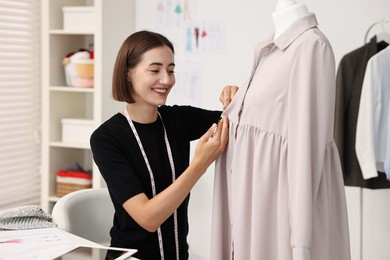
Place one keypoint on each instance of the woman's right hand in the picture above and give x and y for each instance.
(212, 143)
(151, 213)
(227, 95)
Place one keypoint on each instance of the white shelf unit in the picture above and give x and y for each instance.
(113, 22)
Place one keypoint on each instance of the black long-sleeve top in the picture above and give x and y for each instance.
(119, 159)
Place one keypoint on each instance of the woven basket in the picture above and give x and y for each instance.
(85, 70)
(65, 188)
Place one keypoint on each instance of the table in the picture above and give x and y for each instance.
(40, 244)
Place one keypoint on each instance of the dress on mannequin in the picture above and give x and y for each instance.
(286, 13)
(278, 187)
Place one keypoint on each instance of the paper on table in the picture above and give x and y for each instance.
(44, 243)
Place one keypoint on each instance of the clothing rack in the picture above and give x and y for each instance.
(361, 223)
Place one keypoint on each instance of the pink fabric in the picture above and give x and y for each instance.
(279, 193)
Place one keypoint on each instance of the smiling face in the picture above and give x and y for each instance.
(153, 77)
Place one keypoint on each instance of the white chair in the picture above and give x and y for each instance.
(87, 213)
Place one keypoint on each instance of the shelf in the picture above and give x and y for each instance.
(53, 198)
(66, 32)
(70, 145)
(71, 89)
(112, 23)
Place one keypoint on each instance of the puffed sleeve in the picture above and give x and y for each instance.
(310, 128)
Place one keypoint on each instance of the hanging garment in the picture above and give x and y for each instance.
(279, 191)
(371, 128)
(349, 81)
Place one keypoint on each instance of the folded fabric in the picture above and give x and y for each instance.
(25, 217)
(71, 179)
(74, 180)
(74, 174)
(75, 171)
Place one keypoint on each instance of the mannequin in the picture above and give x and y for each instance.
(278, 187)
(287, 12)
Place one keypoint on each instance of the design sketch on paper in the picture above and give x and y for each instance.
(204, 37)
(174, 13)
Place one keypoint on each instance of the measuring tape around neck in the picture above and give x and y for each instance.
(170, 157)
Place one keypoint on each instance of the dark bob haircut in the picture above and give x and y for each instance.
(129, 55)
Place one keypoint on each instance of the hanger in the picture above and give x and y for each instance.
(382, 36)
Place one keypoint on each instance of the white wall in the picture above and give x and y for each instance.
(248, 21)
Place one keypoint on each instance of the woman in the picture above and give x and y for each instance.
(143, 152)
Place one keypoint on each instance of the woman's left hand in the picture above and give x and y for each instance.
(227, 94)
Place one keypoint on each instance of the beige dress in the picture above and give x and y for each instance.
(279, 192)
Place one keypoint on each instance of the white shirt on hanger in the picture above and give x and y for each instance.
(371, 129)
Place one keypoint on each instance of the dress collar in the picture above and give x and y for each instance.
(295, 30)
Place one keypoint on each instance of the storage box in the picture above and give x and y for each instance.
(79, 18)
(69, 181)
(76, 130)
